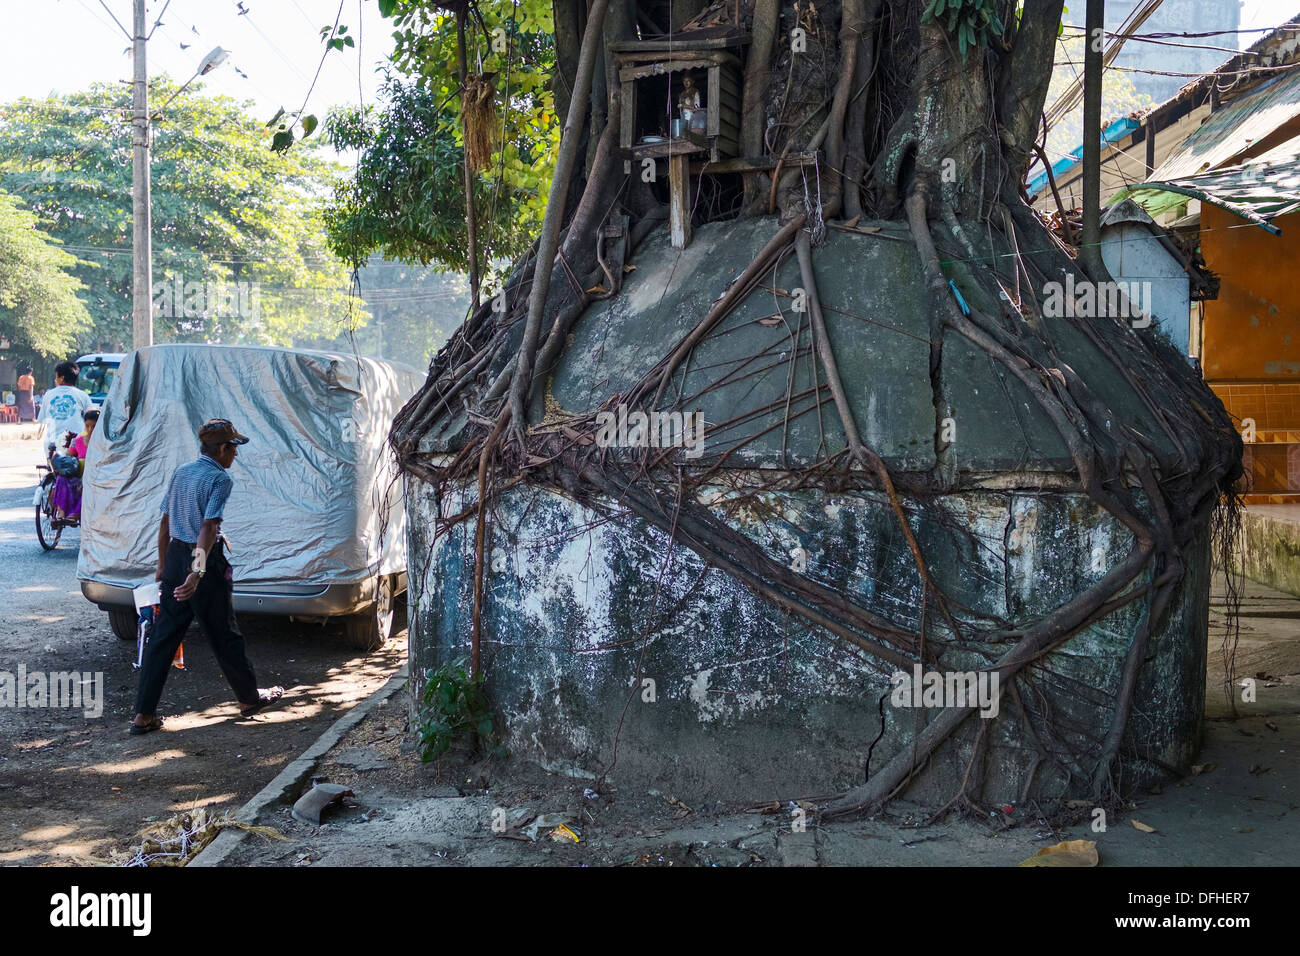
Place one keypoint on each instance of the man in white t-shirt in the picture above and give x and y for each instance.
(63, 406)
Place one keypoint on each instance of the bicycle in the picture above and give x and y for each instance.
(49, 526)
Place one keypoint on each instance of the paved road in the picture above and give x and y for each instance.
(39, 585)
(74, 788)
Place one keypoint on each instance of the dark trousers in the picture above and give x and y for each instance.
(212, 605)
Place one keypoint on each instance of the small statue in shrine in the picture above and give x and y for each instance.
(688, 104)
(689, 97)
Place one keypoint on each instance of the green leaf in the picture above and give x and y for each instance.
(309, 124)
(281, 142)
(274, 120)
(485, 726)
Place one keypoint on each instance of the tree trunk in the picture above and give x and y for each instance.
(861, 118)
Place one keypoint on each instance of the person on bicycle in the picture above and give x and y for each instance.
(196, 578)
(67, 488)
(82, 442)
(62, 408)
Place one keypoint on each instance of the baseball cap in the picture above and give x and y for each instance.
(219, 431)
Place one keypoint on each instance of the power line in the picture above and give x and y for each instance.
(28, 103)
(1292, 27)
(321, 65)
(1160, 41)
(375, 259)
(89, 249)
(125, 32)
(306, 18)
(104, 23)
(270, 43)
(158, 22)
(1246, 71)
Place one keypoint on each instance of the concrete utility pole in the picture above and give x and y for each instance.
(1094, 29)
(141, 240)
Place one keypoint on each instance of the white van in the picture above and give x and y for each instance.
(97, 370)
(315, 521)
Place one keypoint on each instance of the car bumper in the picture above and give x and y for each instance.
(287, 600)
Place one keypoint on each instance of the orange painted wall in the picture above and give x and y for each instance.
(1252, 330)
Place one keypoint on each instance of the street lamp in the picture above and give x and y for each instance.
(210, 62)
(141, 245)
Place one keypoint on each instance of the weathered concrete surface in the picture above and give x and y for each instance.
(748, 703)
(584, 607)
(1271, 545)
(878, 321)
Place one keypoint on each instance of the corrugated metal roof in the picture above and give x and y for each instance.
(1116, 130)
(1258, 190)
(1234, 128)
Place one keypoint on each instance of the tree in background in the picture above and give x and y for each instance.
(239, 247)
(39, 308)
(412, 310)
(407, 199)
(1119, 97)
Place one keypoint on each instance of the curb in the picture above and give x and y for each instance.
(290, 779)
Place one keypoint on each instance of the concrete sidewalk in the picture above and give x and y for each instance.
(25, 431)
(1242, 807)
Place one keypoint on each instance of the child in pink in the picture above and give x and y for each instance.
(67, 491)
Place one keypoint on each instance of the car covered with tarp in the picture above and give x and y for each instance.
(315, 522)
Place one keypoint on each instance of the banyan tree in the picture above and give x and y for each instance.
(777, 408)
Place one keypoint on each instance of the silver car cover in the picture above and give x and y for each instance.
(317, 498)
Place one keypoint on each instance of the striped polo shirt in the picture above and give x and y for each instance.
(198, 491)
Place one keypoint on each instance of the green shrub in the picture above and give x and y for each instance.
(455, 708)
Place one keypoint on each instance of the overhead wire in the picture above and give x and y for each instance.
(275, 47)
(125, 32)
(104, 23)
(158, 22)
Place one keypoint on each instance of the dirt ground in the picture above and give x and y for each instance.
(1241, 809)
(74, 788)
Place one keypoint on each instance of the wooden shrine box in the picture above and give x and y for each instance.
(651, 75)
(643, 64)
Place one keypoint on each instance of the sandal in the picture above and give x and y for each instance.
(265, 698)
(138, 729)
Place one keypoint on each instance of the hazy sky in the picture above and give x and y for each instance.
(1264, 13)
(65, 45)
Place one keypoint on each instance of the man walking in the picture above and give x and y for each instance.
(197, 580)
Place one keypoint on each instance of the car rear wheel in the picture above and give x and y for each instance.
(123, 624)
(368, 631)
